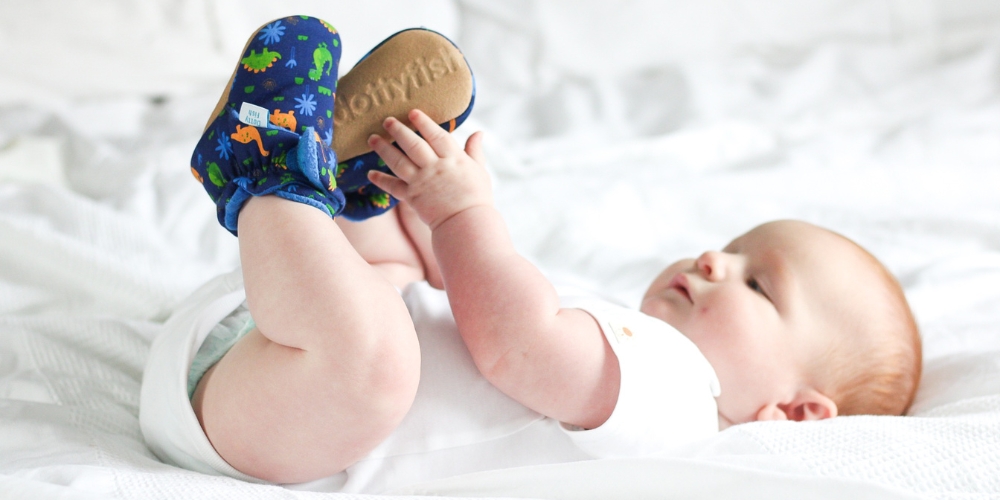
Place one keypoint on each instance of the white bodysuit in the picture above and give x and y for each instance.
(459, 423)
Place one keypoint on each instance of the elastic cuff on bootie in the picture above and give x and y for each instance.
(298, 176)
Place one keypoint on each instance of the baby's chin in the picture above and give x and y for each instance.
(660, 309)
(724, 422)
(650, 306)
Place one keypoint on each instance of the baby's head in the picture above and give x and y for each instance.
(799, 322)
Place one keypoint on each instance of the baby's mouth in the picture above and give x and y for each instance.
(679, 283)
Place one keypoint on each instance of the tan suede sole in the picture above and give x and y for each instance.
(414, 69)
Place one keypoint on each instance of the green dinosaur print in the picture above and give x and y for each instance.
(323, 90)
(286, 178)
(340, 169)
(380, 200)
(321, 57)
(215, 174)
(260, 62)
(281, 160)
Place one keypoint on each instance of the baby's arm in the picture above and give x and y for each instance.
(554, 361)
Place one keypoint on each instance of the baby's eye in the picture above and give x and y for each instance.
(755, 286)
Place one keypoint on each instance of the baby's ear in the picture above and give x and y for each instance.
(809, 404)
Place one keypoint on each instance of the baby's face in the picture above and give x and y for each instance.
(757, 310)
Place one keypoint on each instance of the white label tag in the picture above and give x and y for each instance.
(622, 333)
(252, 114)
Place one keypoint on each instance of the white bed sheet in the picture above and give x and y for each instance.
(620, 138)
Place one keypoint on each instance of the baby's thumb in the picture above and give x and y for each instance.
(474, 148)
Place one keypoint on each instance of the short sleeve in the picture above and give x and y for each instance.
(668, 388)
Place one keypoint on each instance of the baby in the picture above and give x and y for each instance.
(345, 370)
(798, 322)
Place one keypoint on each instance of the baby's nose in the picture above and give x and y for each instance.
(710, 265)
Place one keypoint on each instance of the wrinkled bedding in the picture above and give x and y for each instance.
(620, 137)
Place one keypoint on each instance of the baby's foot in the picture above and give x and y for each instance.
(415, 68)
(273, 133)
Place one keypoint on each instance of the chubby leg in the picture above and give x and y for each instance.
(397, 244)
(333, 364)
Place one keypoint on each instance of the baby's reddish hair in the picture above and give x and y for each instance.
(874, 364)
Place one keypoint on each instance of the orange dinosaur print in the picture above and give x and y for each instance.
(285, 120)
(246, 134)
(197, 176)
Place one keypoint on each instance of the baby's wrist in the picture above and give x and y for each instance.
(470, 211)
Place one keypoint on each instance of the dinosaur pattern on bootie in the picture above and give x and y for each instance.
(274, 134)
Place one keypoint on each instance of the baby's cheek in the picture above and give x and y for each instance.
(714, 315)
(725, 324)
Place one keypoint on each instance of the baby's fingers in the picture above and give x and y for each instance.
(442, 142)
(415, 147)
(396, 187)
(393, 157)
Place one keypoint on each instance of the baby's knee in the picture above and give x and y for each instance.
(395, 369)
(382, 366)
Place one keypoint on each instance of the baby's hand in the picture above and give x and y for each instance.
(435, 176)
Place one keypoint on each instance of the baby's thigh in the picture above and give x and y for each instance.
(288, 415)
